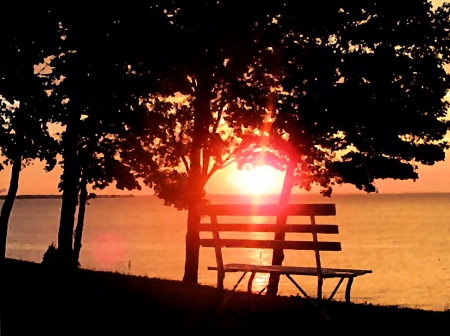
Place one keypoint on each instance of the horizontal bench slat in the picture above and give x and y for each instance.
(294, 228)
(266, 210)
(294, 270)
(273, 244)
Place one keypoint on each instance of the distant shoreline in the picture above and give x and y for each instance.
(2, 197)
(59, 196)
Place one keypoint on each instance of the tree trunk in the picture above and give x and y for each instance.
(193, 222)
(8, 203)
(278, 255)
(192, 248)
(71, 176)
(80, 223)
(201, 116)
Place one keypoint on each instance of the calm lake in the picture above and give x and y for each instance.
(403, 238)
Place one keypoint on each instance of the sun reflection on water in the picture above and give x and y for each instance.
(260, 257)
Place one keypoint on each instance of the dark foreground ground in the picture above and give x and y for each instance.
(39, 301)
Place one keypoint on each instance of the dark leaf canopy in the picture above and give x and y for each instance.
(29, 36)
(360, 85)
(357, 87)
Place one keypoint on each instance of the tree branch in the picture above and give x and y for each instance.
(219, 116)
(205, 162)
(217, 166)
(186, 164)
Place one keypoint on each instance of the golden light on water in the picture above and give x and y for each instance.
(109, 248)
(260, 257)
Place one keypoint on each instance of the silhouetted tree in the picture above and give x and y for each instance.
(93, 86)
(25, 107)
(342, 70)
(107, 66)
(23, 139)
(216, 68)
(99, 168)
(363, 92)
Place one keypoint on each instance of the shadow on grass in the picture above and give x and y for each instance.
(39, 300)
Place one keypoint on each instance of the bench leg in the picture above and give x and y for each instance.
(322, 311)
(332, 295)
(220, 278)
(319, 287)
(348, 288)
(234, 289)
(249, 290)
(251, 296)
(262, 290)
(301, 289)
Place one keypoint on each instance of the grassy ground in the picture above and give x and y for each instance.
(39, 301)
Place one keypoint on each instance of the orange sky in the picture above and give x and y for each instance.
(431, 179)
(438, 2)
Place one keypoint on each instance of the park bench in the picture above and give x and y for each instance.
(213, 211)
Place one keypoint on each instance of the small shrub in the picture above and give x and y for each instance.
(50, 256)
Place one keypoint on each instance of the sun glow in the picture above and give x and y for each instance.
(257, 180)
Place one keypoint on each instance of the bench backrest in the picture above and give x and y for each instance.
(281, 212)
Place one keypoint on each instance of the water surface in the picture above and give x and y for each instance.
(404, 239)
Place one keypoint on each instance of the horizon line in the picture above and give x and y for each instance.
(241, 194)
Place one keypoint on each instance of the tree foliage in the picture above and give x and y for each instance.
(359, 87)
(25, 109)
(93, 86)
(364, 84)
(208, 99)
(171, 91)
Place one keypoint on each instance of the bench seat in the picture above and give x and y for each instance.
(293, 270)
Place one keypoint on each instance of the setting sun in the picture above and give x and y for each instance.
(257, 180)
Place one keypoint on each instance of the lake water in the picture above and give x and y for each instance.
(403, 238)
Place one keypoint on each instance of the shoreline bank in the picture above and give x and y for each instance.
(35, 298)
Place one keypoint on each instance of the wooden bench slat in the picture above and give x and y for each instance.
(293, 228)
(295, 270)
(266, 210)
(274, 244)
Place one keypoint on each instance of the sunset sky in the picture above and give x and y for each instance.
(436, 178)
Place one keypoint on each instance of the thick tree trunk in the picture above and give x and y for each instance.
(193, 222)
(80, 223)
(278, 255)
(71, 176)
(192, 248)
(201, 117)
(8, 203)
